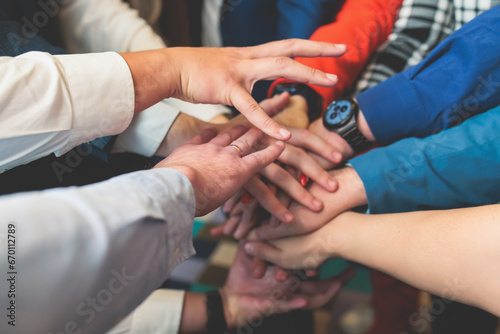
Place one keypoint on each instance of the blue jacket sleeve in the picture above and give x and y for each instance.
(459, 79)
(459, 167)
(299, 18)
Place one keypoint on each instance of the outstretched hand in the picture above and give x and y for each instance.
(226, 75)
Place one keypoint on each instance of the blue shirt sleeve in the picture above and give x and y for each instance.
(459, 167)
(459, 79)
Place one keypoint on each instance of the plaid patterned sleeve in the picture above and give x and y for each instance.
(421, 25)
(467, 10)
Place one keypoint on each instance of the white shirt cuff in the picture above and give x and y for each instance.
(102, 95)
(205, 112)
(160, 313)
(147, 130)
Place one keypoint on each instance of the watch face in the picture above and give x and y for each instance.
(338, 112)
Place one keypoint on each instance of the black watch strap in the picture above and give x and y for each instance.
(356, 139)
(313, 99)
(216, 323)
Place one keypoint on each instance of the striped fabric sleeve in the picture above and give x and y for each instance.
(421, 26)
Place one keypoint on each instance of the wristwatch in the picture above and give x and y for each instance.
(216, 322)
(341, 117)
(313, 99)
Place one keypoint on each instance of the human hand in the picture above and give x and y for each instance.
(350, 194)
(246, 297)
(308, 251)
(186, 127)
(276, 199)
(226, 75)
(215, 168)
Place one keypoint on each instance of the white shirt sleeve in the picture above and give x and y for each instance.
(54, 103)
(111, 25)
(105, 25)
(161, 313)
(85, 258)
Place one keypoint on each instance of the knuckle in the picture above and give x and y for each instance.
(314, 72)
(282, 62)
(253, 108)
(268, 123)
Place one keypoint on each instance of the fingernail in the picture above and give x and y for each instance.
(332, 77)
(337, 156)
(316, 203)
(288, 218)
(280, 144)
(285, 134)
(238, 234)
(274, 221)
(249, 249)
(341, 46)
(332, 184)
(298, 303)
(303, 179)
(246, 198)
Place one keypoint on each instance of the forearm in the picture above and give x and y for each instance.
(155, 74)
(98, 26)
(437, 172)
(449, 253)
(83, 247)
(415, 110)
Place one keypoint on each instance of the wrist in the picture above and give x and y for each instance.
(337, 235)
(363, 126)
(352, 185)
(228, 314)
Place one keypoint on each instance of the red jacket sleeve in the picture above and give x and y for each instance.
(363, 26)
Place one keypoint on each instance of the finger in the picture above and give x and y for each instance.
(244, 102)
(217, 231)
(225, 138)
(231, 224)
(248, 141)
(231, 203)
(322, 162)
(258, 160)
(299, 159)
(268, 200)
(247, 222)
(285, 200)
(264, 251)
(312, 288)
(305, 139)
(322, 292)
(276, 104)
(205, 136)
(280, 274)
(296, 48)
(267, 232)
(283, 67)
(291, 186)
(259, 268)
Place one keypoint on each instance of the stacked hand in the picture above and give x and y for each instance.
(246, 297)
(218, 166)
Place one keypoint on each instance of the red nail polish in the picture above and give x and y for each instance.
(303, 179)
(246, 198)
